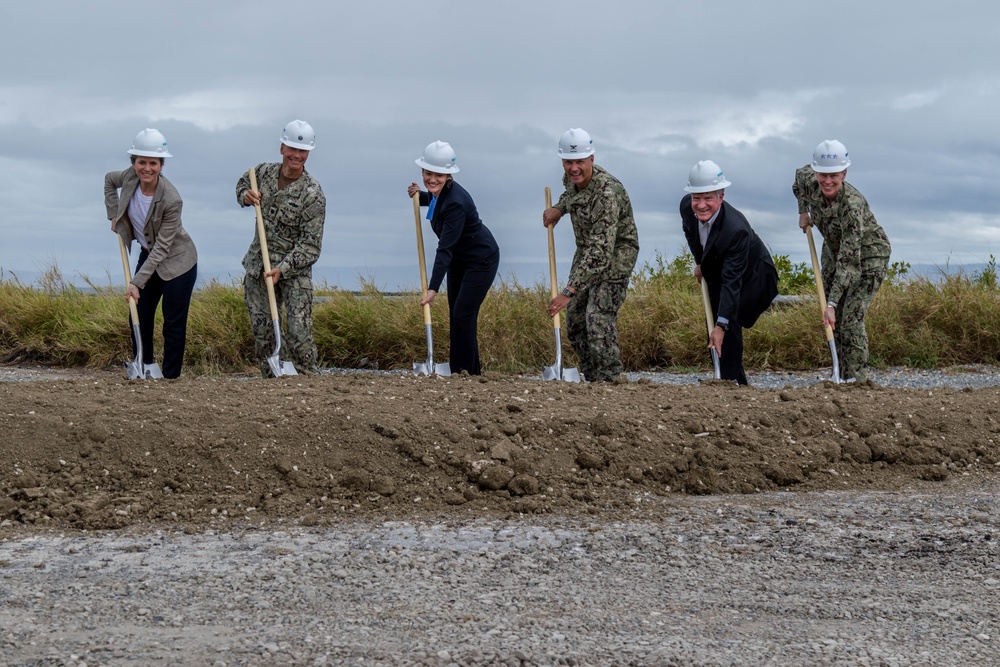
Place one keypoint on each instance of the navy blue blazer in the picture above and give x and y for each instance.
(462, 237)
(742, 280)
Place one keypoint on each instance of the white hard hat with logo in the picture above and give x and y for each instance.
(150, 143)
(706, 176)
(438, 157)
(575, 144)
(299, 134)
(830, 157)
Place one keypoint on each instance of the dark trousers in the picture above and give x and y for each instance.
(468, 285)
(176, 296)
(731, 361)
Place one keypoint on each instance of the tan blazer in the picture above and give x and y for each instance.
(171, 250)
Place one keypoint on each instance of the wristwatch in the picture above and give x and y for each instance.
(567, 293)
(723, 325)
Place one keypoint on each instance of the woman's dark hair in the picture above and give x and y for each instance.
(135, 156)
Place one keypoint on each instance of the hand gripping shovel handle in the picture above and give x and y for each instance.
(709, 322)
(821, 293)
(556, 371)
(265, 256)
(136, 369)
(429, 366)
(128, 281)
(278, 367)
(420, 258)
(552, 257)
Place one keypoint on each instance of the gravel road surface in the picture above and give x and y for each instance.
(775, 579)
(908, 577)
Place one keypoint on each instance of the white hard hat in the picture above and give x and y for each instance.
(575, 144)
(299, 134)
(706, 176)
(830, 157)
(150, 143)
(438, 157)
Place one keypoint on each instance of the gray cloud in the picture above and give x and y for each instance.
(753, 86)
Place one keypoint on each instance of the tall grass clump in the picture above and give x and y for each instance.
(56, 323)
(953, 318)
(375, 330)
(924, 323)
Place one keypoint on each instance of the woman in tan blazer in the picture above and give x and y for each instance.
(148, 210)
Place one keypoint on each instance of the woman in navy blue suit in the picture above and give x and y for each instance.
(466, 252)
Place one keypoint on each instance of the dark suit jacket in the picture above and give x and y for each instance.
(462, 236)
(171, 250)
(742, 280)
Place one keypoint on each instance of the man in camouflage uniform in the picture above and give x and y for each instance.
(856, 250)
(607, 245)
(294, 210)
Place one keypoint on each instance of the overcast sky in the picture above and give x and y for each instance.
(912, 89)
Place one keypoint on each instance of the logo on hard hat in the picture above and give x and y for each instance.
(572, 147)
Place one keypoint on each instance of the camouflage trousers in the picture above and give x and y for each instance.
(295, 296)
(850, 336)
(592, 328)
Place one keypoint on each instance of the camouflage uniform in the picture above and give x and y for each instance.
(607, 245)
(293, 222)
(854, 262)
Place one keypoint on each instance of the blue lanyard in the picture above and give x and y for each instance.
(430, 209)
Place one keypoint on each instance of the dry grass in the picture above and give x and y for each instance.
(919, 322)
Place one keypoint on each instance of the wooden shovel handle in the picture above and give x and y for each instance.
(819, 281)
(553, 282)
(272, 301)
(709, 318)
(420, 257)
(128, 278)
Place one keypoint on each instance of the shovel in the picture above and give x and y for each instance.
(709, 320)
(136, 369)
(278, 367)
(556, 371)
(835, 378)
(427, 367)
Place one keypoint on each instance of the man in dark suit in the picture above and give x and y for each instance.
(742, 280)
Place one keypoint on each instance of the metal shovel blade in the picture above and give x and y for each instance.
(835, 378)
(135, 369)
(571, 375)
(278, 367)
(140, 371)
(556, 371)
(715, 363)
(428, 367)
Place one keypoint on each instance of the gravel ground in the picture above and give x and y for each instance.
(859, 578)
(957, 377)
(777, 579)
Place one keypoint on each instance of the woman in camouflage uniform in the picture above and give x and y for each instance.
(855, 250)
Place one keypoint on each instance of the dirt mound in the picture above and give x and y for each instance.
(105, 453)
